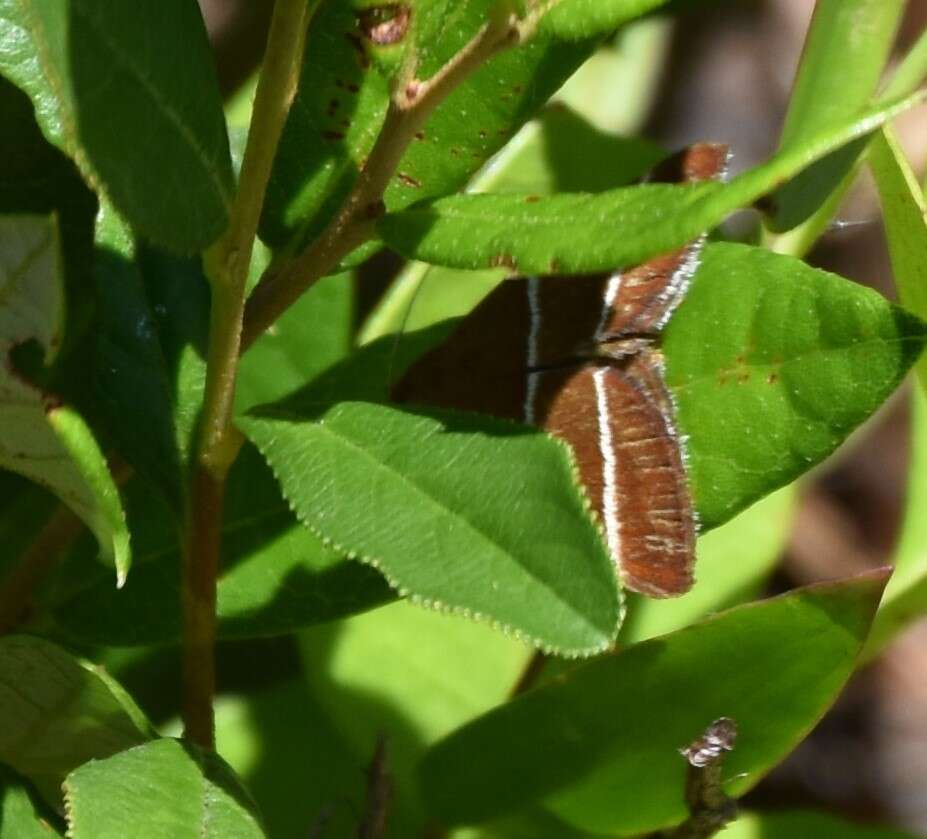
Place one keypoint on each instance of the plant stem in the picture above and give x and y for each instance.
(227, 265)
(36, 562)
(410, 107)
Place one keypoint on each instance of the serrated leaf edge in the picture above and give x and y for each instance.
(461, 611)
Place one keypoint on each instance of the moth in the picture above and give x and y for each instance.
(579, 357)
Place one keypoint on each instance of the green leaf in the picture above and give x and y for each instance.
(341, 103)
(574, 233)
(844, 55)
(911, 71)
(132, 381)
(313, 334)
(20, 816)
(58, 713)
(806, 824)
(436, 671)
(557, 152)
(599, 745)
(42, 439)
(617, 87)
(904, 211)
(314, 779)
(577, 19)
(276, 576)
(161, 790)
(130, 94)
(906, 596)
(465, 514)
(732, 562)
(773, 364)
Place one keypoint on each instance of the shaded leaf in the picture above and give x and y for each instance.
(42, 439)
(845, 52)
(161, 790)
(276, 576)
(412, 674)
(59, 713)
(599, 745)
(467, 514)
(297, 794)
(132, 381)
(574, 233)
(313, 334)
(35, 177)
(799, 824)
(131, 95)
(20, 816)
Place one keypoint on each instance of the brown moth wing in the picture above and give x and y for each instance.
(619, 421)
(481, 365)
(647, 294)
(525, 322)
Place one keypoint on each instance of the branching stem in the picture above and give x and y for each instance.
(412, 103)
(227, 268)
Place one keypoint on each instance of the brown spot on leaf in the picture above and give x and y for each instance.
(532, 199)
(386, 24)
(408, 180)
(772, 378)
(419, 135)
(332, 135)
(554, 266)
(455, 152)
(353, 87)
(743, 377)
(332, 106)
(503, 260)
(482, 134)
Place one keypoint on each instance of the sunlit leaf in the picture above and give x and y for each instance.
(599, 745)
(575, 232)
(462, 513)
(161, 790)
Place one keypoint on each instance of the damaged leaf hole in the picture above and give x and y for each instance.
(385, 25)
